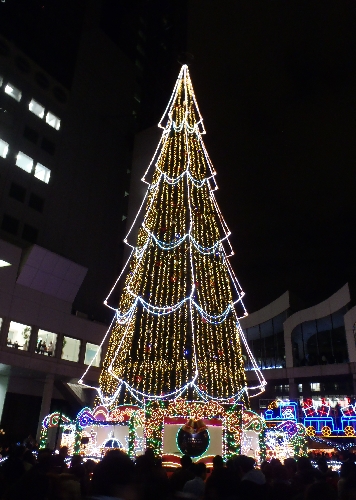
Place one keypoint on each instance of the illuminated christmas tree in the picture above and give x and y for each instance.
(176, 332)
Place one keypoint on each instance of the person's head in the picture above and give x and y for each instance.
(44, 458)
(200, 470)
(244, 463)
(63, 451)
(279, 472)
(113, 474)
(76, 460)
(291, 465)
(150, 456)
(29, 457)
(348, 490)
(320, 489)
(218, 462)
(186, 462)
(347, 469)
(89, 465)
(322, 464)
(304, 464)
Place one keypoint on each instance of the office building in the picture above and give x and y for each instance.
(304, 353)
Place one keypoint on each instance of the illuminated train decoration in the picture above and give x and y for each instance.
(319, 421)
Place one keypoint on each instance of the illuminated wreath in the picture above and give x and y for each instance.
(349, 431)
(311, 430)
(326, 431)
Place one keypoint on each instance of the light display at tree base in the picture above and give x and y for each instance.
(171, 429)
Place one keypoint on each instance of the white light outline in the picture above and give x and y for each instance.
(153, 189)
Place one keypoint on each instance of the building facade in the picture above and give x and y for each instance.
(309, 353)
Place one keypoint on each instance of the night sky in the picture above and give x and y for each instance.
(276, 85)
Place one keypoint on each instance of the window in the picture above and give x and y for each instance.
(300, 387)
(25, 162)
(36, 108)
(31, 134)
(36, 202)
(42, 173)
(46, 343)
(10, 224)
(321, 341)
(0, 318)
(267, 343)
(283, 389)
(1, 80)
(17, 192)
(53, 120)
(92, 354)
(70, 349)
(4, 148)
(18, 336)
(13, 92)
(29, 233)
(315, 386)
(48, 146)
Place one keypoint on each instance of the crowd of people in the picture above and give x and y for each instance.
(45, 475)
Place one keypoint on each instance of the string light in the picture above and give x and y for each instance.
(176, 330)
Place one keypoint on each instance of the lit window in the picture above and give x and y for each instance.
(1, 80)
(70, 349)
(36, 108)
(300, 387)
(53, 120)
(3, 263)
(92, 354)
(4, 148)
(42, 173)
(13, 92)
(46, 343)
(315, 386)
(25, 162)
(18, 336)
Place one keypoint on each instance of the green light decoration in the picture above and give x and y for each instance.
(77, 438)
(134, 422)
(262, 444)
(299, 442)
(52, 420)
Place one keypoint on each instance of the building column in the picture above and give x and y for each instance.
(4, 331)
(46, 401)
(59, 346)
(4, 382)
(82, 352)
(293, 390)
(33, 339)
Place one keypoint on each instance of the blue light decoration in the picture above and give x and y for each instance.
(283, 435)
(285, 410)
(318, 419)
